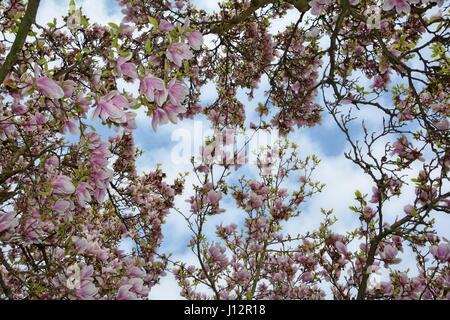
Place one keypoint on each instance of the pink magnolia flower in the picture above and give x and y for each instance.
(341, 247)
(111, 106)
(165, 26)
(379, 81)
(49, 88)
(399, 5)
(178, 52)
(256, 201)
(177, 92)
(153, 89)
(172, 112)
(195, 39)
(134, 271)
(63, 185)
(130, 124)
(71, 126)
(443, 125)
(125, 293)
(80, 244)
(389, 253)
(318, 6)
(7, 221)
(296, 87)
(367, 213)
(69, 87)
(51, 162)
(159, 118)
(307, 277)
(126, 68)
(82, 193)
(214, 197)
(138, 286)
(62, 206)
(376, 195)
(409, 209)
(217, 254)
(87, 290)
(441, 252)
(126, 29)
(19, 109)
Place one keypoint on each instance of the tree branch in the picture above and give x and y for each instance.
(24, 27)
(300, 5)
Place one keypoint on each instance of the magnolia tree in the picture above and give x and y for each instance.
(70, 196)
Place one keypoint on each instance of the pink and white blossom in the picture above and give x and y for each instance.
(63, 185)
(159, 117)
(401, 6)
(49, 88)
(111, 106)
(154, 89)
(178, 52)
(195, 39)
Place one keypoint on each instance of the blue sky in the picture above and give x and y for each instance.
(341, 177)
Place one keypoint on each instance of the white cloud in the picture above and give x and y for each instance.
(98, 11)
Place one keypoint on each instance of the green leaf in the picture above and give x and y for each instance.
(153, 22)
(72, 6)
(148, 46)
(84, 22)
(114, 26)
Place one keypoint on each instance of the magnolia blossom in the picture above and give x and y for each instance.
(125, 293)
(441, 252)
(195, 39)
(153, 89)
(87, 290)
(165, 26)
(71, 126)
(178, 52)
(7, 221)
(172, 112)
(177, 92)
(126, 68)
(83, 194)
(409, 209)
(159, 118)
(389, 253)
(69, 87)
(256, 201)
(399, 5)
(111, 107)
(318, 6)
(376, 195)
(19, 109)
(63, 185)
(443, 124)
(62, 206)
(214, 197)
(49, 88)
(217, 254)
(130, 124)
(341, 247)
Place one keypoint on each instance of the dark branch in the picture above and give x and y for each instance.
(24, 28)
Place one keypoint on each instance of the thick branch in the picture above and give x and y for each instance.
(300, 5)
(24, 28)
